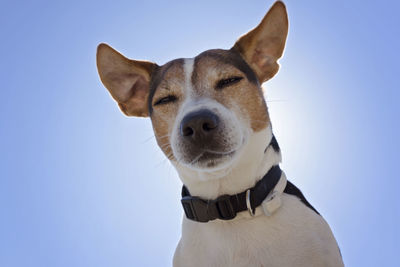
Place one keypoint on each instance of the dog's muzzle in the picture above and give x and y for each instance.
(205, 138)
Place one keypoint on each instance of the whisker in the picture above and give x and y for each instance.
(259, 120)
(164, 136)
(196, 158)
(276, 100)
(168, 156)
(165, 146)
(220, 152)
(161, 162)
(148, 139)
(178, 161)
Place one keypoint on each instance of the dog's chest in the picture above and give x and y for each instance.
(294, 236)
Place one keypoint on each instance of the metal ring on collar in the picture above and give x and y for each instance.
(252, 213)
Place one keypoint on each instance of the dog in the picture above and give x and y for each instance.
(211, 121)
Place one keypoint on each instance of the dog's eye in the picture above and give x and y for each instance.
(228, 82)
(165, 100)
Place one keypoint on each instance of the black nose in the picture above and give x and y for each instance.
(199, 124)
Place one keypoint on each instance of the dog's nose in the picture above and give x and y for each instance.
(199, 124)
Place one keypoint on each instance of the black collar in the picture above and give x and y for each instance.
(227, 206)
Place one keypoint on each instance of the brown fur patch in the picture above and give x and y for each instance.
(245, 97)
(171, 81)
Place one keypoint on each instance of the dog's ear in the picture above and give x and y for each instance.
(263, 46)
(126, 80)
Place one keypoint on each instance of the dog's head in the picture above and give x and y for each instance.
(204, 110)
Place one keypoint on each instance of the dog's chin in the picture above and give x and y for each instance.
(214, 161)
(207, 161)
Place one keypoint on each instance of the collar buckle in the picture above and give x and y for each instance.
(195, 209)
(225, 208)
(199, 210)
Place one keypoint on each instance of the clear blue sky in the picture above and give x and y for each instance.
(79, 181)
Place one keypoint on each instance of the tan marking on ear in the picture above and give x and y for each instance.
(127, 80)
(163, 116)
(264, 45)
(245, 97)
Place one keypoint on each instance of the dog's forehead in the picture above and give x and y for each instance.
(210, 59)
(219, 58)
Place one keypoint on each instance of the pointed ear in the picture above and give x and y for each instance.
(263, 46)
(126, 80)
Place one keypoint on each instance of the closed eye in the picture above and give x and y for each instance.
(165, 100)
(228, 82)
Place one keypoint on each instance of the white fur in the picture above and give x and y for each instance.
(188, 65)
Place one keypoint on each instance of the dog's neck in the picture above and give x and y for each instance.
(252, 164)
